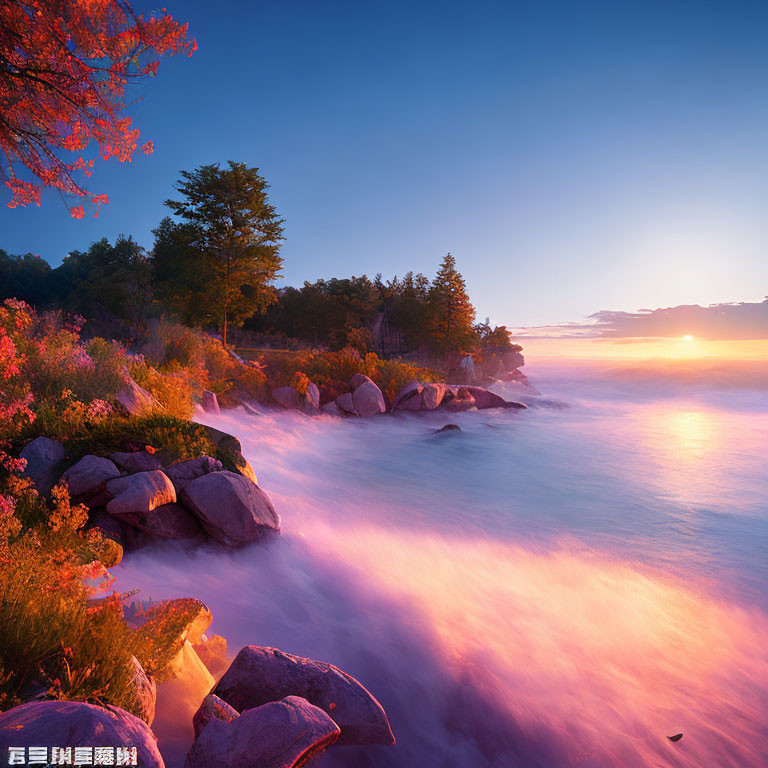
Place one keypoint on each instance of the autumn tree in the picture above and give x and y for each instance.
(225, 255)
(64, 69)
(451, 312)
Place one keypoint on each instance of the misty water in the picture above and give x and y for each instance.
(562, 586)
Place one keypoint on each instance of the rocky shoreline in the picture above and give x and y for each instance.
(269, 709)
(365, 399)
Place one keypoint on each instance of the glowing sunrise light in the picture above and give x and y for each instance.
(687, 338)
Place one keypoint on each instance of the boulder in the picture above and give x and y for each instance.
(368, 400)
(484, 398)
(358, 379)
(462, 402)
(259, 675)
(312, 398)
(292, 399)
(136, 400)
(41, 454)
(223, 440)
(279, 734)
(198, 617)
(184, 471)
(76, 724)
(89, 476)
(515, 406)
(406, 394)
(231, 508)
(212, 708)
(135, 496)
(170, 522)
(332, 409)
(288, 397)
(250, 409)
(210, 402)
(346, 405)
(144, 692)
(448, 428)
(432, 395)
(136, 461)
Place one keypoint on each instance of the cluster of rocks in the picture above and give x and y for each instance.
(274, 710)
(269, 710)
(138, 497)
(366, 399)
(450, 397)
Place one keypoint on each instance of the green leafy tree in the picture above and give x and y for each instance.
(25, 277)
(411, 309)
(107, 282)
(233, 237)
(451, 312)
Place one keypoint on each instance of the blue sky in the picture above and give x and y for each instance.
(572, 156)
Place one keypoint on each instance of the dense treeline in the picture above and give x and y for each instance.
(119, 287)
(214, 266)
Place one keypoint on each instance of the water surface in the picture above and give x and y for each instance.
(563, 586)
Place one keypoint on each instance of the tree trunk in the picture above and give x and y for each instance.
(226, 298)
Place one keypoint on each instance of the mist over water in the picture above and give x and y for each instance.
(563, 586)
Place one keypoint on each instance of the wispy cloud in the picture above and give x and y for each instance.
(730, 321)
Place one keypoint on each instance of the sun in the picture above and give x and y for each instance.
(687, 337)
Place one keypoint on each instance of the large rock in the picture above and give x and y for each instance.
(484, 398)
(89, 476)
(135, 461)
(359, 379)
(462, 402)
(231, 445)
(136, 400)
(279, 734)
(185, 471)
(135, 496)
(75, 724)
(230, 507)
(292, 399)
(312, 398)
(144, 692)
(170, 522)
(41, 454)
(223, 440)
(210, 402)
(259, 675)
(332, 409)
(198, 617)
(409, 397)
(212, 708)
(346, 405)
(368, 400)
(432, 395)
(288, 397)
